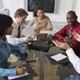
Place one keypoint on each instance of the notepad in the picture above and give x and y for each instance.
(14, 77)
(58, 57)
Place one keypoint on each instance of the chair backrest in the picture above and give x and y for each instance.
(5, 11)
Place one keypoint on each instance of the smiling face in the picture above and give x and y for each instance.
(71, 18)
(40, 13)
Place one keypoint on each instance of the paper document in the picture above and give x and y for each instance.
(28, 31)
(14, 77)
(58, 57)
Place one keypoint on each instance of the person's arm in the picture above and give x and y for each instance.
(19, 70)
(31, 22)
(14, 40)
(21, 48)
(61, 34)
(74, 59)
(76, 36)
(49, 24)
(7, 72)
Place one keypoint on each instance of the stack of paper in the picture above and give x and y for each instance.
(14, 77)
(58, 57)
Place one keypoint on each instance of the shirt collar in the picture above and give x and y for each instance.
(1, 41)
(75, 25)
(16, 22)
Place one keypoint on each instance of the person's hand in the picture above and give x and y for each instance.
(20, 70)
(68, 40)
(36, 30)
(35, 33)
(50, 37)
(30, 39)
(76, 36)
(61, 45)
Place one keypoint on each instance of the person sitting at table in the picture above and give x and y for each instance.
(73, 58)
(40, 21)
(19, 18)
(6, 49)
(65, 34)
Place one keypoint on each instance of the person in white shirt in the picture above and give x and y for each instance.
(73, 58)
(19, 18)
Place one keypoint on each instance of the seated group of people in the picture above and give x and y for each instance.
(10, 41)
(40, 20)
(67, 38)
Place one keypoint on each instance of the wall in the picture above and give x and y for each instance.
(63, 6)
(61, 10)
(13, 5)
(76, 7)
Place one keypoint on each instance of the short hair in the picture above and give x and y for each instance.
(20, 12)
(35, 11)
(5, 22)
(73, 13)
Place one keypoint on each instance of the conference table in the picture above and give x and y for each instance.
(45, 50)
(42, 47)
(65, 68)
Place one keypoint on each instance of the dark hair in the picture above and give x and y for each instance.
(5, 22)
(36, 9)
(73, 13)
(20, 12)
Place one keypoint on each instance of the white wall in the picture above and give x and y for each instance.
(63, 6)
(76, 7)
(13, 5)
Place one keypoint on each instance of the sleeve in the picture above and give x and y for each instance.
(49, 24)
(31, 22)
(14, 40)
(75, 60)
(7, 72)
(60, 34)
(19, 47)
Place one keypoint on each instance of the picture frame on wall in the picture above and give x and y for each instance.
(47, 5)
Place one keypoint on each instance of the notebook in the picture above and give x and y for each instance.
(58, 57)
(14, 77)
